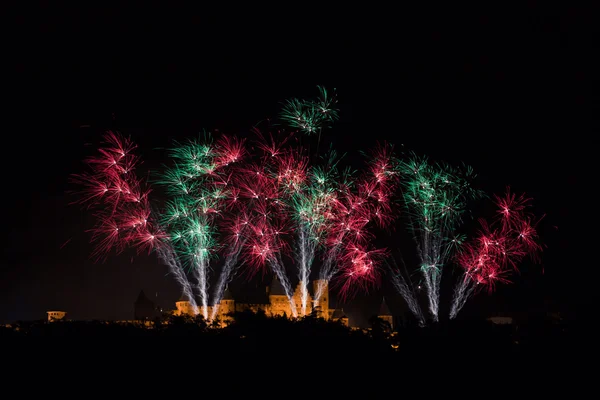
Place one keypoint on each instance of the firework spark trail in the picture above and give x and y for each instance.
(404, 287)
(319, 290)
(227, 273)
(497, 249)
(408, 295)
(237, 225)
(435, 197)
(200, 273)
(462, 292)
(328, 269)
(279, 269)
(307, 246)
(169, 258)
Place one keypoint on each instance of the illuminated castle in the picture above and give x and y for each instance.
(278, 304)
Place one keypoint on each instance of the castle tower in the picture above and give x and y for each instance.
(280, 304)
(385, 314)
(56, 315)
(322, 305)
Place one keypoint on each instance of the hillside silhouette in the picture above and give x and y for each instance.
(257, 332)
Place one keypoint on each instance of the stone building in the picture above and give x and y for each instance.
(276, 303)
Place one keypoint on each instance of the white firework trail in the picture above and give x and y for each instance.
(407, 293)
(319, 290)
(201, 275)
(227, 273)
(305, 256)
(167, 255)
(434, 250)
(462, 292)
(279, 269)
(436, 196)
(328, 270)
(432, 255)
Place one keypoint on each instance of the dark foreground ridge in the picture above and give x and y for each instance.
(257, 332)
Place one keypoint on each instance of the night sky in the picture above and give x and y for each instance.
(513, 93)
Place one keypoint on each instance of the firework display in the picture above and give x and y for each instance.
(265, 186)
(334, 210)
(267, 204)
(313, 212)
(498, 248)
(119, 201)
(118, 198)
(296, 211)
(266, 209)
(310, 116)
(197, 184)
(435, 198)
(358, 208)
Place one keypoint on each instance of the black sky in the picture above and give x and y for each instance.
(511, 92)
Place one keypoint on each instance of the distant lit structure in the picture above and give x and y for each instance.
(276, 305)
(183, 307)
(56, 315)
